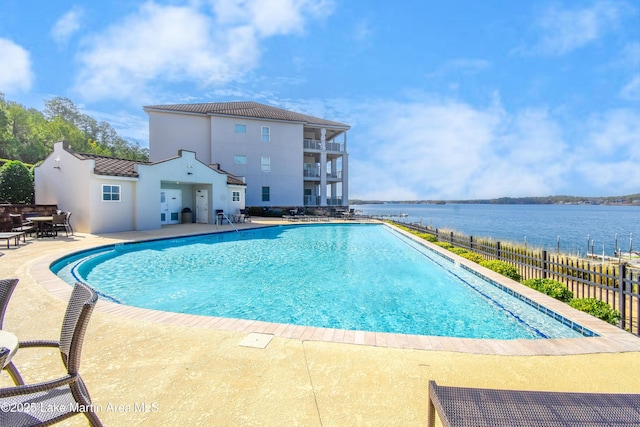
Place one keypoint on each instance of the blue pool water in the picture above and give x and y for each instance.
(353, 276)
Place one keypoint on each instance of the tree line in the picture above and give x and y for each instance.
(28, 135)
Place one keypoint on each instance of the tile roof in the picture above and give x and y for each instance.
(111, 166)
(246, 109)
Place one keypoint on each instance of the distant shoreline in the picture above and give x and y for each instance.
(630, 200)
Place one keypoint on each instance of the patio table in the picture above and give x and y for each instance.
(40, 220)
(15, 235)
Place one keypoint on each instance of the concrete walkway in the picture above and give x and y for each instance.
(149, 373)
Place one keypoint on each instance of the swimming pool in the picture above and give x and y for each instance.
(349, 276)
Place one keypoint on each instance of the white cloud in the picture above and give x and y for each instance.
(564, 30)
(447, 149)
(15, 73)
(362, 31)
(465, 66)
(66, 26)
(631, 91)
(186, 44)
(610, 153)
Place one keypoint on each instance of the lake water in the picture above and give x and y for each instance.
(575, 226)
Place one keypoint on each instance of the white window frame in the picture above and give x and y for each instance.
(240, 128)
(235, 196)
(265, 164)
(240, 159)
(265, 134)
(111, 193)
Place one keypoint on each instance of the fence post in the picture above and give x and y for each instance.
(451, 237)
(471, 243)
(544, 264)
(498, 250)
(622, 274)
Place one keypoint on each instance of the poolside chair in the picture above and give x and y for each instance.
(59, 223)
(463, 406)
(51, 401)
(67, 223)
(19, 225)
(6, 290)
(247, 215)
(4, 352)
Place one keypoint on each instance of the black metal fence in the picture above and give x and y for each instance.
(616, 284)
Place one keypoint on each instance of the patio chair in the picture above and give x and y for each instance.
(4, 352)
(59, 223)
(221, 217)
(67, 223)
(19, 225)
(6, 290)
(51, 401)
(247, 215)
(462, 406)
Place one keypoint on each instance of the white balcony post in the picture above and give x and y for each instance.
(345, 173)
(323, 168)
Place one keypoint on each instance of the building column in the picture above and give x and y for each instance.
(345, 174)
(323, 168)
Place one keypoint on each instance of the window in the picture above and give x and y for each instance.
(110, 193)
(240, 160)
(265, 164)
(235, 196)
(265, 194)
(241, 128)
(266, 134)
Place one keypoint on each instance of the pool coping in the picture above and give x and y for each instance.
(610, 339)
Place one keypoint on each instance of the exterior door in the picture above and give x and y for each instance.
(202, 206)
(170, 205)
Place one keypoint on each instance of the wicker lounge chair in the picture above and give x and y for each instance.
(19, 225)
(6, 290)
(461, 406)
(54, 400)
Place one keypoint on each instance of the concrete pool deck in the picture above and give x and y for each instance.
(192, 370)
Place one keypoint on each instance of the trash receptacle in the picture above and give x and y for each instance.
(187, 216)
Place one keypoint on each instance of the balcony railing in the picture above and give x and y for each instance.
(315, 201)
(314, 144)
(315, 173)
(312, 172)
(312, 200)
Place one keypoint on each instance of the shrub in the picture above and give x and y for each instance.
(503, 268)
(445, 245)
(471, 256)
(16, 183)
(459, 251)
(428, 237)
(596, 308)
(553, 288)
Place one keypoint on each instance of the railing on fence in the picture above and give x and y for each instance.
(616, 284)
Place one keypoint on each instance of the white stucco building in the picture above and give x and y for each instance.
(285, 158)
(105, 194)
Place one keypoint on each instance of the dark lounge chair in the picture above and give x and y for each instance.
(20, 225)
(462, 406)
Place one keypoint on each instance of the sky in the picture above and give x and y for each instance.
(446, 99)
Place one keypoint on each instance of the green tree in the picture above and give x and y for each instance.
(16, 183)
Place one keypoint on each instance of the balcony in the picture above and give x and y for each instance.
(311, 200)
(314, 144)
